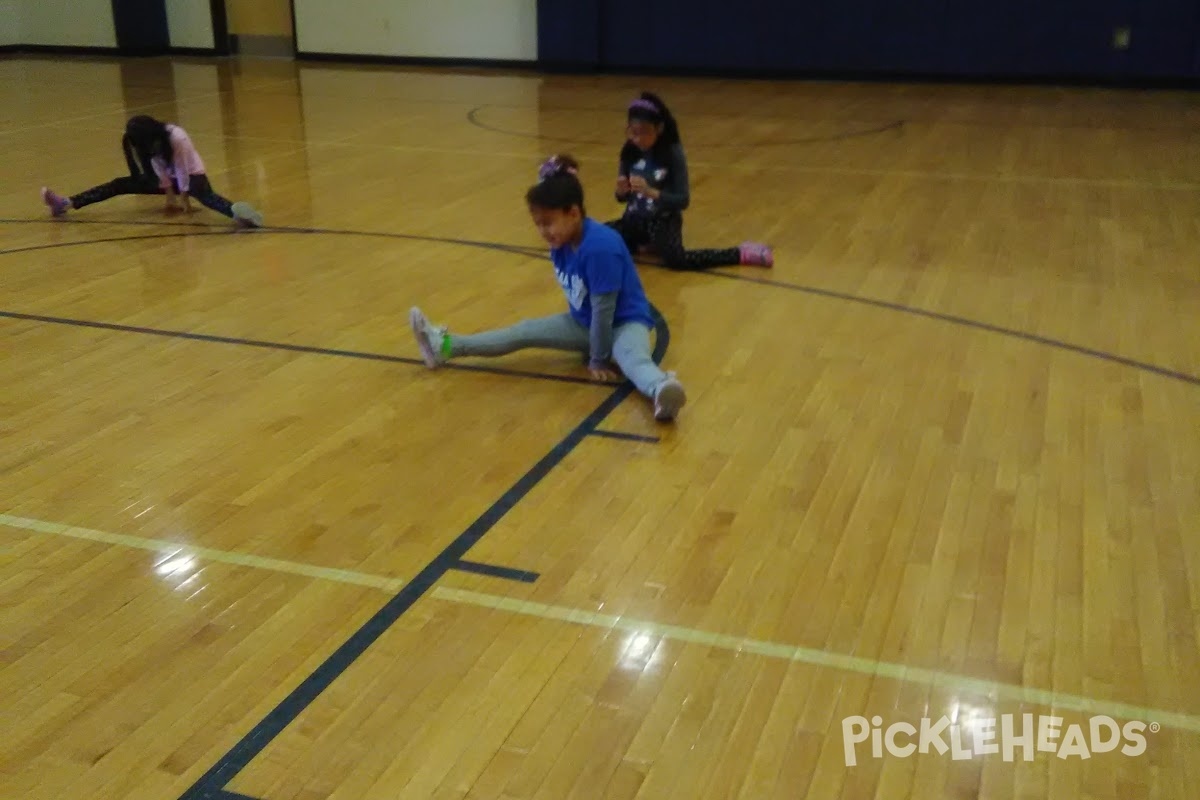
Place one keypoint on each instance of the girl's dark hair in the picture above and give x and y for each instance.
(649, 107)
(558, 185)
(149, 137)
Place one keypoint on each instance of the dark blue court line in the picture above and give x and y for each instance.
(225, 794)
(118, 223)
(536, 253)
(629, 437)
(494, 571)
(967, 323)
(294, 348)
(210, 786)
(209, 229)
(473, 118)
(518, 249)
(108, 240)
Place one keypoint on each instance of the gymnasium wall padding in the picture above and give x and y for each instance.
(567, 33)
(948, 38)
(141, 26)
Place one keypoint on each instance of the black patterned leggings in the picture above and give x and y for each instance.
(198, 187)
(664, 233)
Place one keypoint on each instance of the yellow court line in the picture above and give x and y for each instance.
(220, 556)
(803, 655)
(824, 658)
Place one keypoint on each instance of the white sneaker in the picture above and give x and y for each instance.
(669, 397)
(430, 338)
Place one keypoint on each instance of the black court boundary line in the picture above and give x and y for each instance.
(473, 118)
(294, 348)
(112, 239)
(115, 222)
(813, 290)
(495, 571)
(211, 785)
(629, 437)
(966, 322)
(209, 229)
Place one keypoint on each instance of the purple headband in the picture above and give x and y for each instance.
(647, 105)
(551, 167)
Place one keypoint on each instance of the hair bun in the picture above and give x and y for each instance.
(558, 165)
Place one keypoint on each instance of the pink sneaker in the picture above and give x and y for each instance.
(58, 204)
(756, 254)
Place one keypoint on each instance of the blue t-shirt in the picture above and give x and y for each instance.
(600, 265)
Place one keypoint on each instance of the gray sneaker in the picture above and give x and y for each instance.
(432, 340)
(246, 216)
(669, 398)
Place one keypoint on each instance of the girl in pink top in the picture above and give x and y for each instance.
(161, 160)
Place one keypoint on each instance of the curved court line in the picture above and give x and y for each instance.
(110, 239)
(473, 118)
(577, 616)
(216, 230)
(114, 222)
(888, 305)
(530, 250)
(967, 322)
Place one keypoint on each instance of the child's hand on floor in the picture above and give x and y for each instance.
(603, 372)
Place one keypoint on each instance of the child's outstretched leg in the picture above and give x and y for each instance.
(242, 213)
(631, 351)
(666, 234)
(559, 332)
(129, 184)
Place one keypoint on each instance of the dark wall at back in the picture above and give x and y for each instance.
(141, 27)
(1054, 39)
(567, 33)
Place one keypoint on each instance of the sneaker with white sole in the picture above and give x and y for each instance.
(669, 398)
(246, 215)
(434, 341)
(58, 204)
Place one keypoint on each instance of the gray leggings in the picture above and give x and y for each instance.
(631, 345)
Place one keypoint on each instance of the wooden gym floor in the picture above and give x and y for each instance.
(942, 461)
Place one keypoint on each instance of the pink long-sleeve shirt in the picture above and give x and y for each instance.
(185, 161)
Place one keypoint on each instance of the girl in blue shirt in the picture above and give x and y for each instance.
(608, 316)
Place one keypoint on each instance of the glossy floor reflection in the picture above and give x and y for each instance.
(926, 528)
